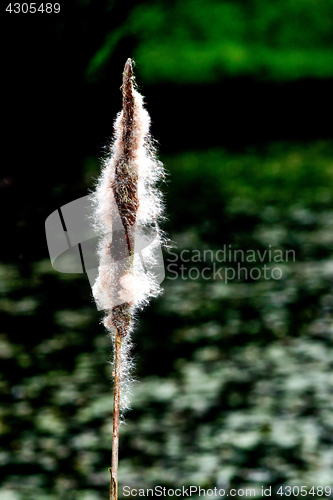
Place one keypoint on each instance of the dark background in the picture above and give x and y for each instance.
(234, 381)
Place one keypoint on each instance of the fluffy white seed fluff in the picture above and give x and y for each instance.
(129, 280)
(137, 285)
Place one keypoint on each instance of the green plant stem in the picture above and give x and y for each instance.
(115, 436)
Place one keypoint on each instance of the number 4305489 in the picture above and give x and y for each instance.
(32, 8)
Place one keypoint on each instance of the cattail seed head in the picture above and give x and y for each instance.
(127, 210)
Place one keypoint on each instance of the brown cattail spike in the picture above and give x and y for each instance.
(126, 188)
(126, 175)
(128, 106)
(128, 206)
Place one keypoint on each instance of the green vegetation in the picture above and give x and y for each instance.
(234, 379)
(188, 42)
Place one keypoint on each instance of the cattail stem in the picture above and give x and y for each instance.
(126, 197)
(116, 407)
